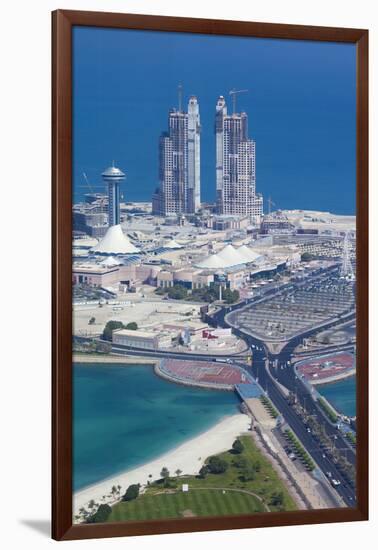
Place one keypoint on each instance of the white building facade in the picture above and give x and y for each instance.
(235, 166)
(142, 339)
(194, 164)
(113, 177)
(179, 189)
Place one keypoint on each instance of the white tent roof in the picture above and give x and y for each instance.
(248, 253)
(111, 261)
(211, 262)
(115, 242)
(172, 244)
(229, 257)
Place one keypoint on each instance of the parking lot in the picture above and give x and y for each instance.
(85, 293)
(298, 309)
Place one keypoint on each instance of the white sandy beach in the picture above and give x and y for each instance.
(188, 457)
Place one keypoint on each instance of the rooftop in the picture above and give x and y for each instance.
(136, 333)
(229, 256)
(113, 172)
(115, 242)
(95, 268)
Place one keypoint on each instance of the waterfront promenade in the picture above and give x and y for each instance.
(114, 359)
(188, 457)
(324, 369)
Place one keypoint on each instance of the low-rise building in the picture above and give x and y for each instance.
(95, 274)
(202, 279)
(236, 277)
(91, 217)
(105, 273)
(164, 279)
(193, 327)
(188, 277)
(185, 276)
(222, 222)
(276, 222)
(142, 339)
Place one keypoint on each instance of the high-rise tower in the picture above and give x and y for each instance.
(113, 177)
(179, 163)
(347, 271)
(114, 241)
(235, 165)
(220, 114)
(194, 177)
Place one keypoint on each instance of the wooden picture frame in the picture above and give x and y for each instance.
(62, 24)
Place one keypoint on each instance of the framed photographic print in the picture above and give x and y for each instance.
(210, 218)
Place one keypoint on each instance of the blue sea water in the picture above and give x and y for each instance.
(127, 416)
(301, 106)
(342, 395)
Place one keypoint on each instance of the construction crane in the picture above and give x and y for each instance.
(270, 204)
(180, 90)
(87, 182)
(88, 185)
(233, 93)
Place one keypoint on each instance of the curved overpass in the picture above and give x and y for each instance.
(271, 377)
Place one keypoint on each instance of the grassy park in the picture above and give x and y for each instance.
(239, 481)
(196, 502)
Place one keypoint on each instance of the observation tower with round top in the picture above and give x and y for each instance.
(113, 177)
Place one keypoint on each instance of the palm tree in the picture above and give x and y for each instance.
(165, 475)
(178, 472)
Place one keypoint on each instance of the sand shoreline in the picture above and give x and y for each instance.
(188, 457)
(114, 359)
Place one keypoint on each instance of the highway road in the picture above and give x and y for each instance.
(259, 371)
(310, 352)
(266, 374)
(138, 352)
(309, 442)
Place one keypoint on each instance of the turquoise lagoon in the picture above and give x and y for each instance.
(341, 395)
(125, 416)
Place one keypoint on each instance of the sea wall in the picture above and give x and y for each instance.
(114, 359)
(205, 385)
(334, 378)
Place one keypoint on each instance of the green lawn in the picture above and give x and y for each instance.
(206, 496)
(197, 502)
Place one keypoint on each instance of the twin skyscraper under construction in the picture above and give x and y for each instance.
(179, 189)
(179, 163)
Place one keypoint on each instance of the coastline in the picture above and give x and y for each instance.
(191, 383)
(333, 379)
(318, 385)
(333, 406)
(188, 457)
(106, 358)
